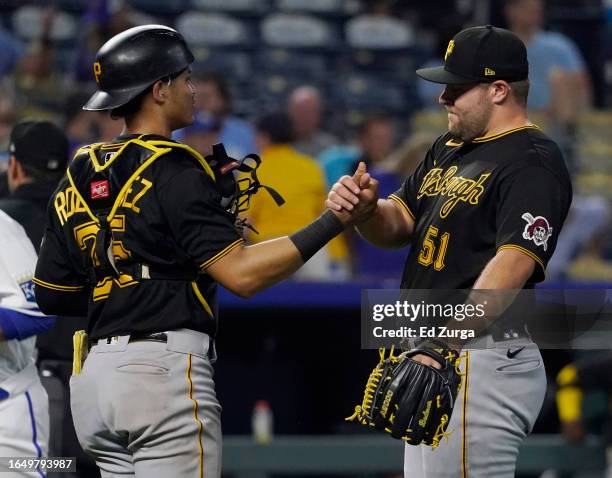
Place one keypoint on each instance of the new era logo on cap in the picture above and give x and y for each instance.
(99, 189)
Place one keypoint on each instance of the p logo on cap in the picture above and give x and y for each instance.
(449, 49)
(97, 69)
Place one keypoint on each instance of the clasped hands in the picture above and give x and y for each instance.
(354, 199)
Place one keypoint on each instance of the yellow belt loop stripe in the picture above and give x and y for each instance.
(195, 417)
(464, 467)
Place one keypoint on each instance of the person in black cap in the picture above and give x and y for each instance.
(38, 157)
(140, 232)
(482, 211)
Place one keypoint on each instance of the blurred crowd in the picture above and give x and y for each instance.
(315, 88)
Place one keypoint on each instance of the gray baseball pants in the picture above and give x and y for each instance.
(497, 405)
(149, 409)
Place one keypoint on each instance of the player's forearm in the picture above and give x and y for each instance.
(509, 269)
(255, 267)
(494, 291)
(250, 269)
(388, 227)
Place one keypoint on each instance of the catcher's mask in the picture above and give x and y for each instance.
(236, 193)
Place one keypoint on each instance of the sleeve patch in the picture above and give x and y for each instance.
(537, 229)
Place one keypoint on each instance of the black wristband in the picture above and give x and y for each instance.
(319, 232)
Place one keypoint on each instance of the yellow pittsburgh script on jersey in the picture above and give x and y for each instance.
(438, 182)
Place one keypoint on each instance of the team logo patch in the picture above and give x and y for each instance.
(99, 189)
(537, 230)
(27, 288)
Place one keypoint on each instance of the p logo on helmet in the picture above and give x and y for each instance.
(97, 69)
(449, 49)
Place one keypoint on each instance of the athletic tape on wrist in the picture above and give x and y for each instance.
(316, 234)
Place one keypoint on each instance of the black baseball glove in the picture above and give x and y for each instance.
(411, 401)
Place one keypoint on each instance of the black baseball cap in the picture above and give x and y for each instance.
(40, 144)
(481, 55)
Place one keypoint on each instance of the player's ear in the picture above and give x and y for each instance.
(160, 91)
(499, 91)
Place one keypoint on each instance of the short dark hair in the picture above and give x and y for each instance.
(277, 126)
(520, 90)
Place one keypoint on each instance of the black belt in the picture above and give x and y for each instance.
(153, 337)
(137, 337)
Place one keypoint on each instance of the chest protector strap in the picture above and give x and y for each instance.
(102, 175)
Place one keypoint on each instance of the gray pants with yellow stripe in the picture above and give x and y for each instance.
(498, 403)
(149, 409)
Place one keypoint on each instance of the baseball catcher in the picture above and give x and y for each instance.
(410, 400)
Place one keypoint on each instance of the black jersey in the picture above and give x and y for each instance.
(469, 200)
(166, 216)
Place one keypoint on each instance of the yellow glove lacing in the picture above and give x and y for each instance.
(361, 411)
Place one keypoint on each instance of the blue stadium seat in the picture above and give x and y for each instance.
(236, 65)
(72, 6)
(27, 25)
(320, 7)
(308, 65)
(213, 29)
(376, 32)
(381, 45)
(362, 92)
(284, 30)
(238, 7)
(160, 7)
(273, 89)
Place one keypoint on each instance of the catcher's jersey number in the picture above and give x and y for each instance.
(434, 248)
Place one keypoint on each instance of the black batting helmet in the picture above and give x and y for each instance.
(130, 62)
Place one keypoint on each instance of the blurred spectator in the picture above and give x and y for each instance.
(12, 51)
(559, 82)
(305, 110)
(202, 134)
(588, 218)
(300, 181)
(587, 374)
(214, 104)
(404, 160)
(86, 127)
(375, 141)
(8, 116)
(38, 158)
(102, 20)
(40, 88)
